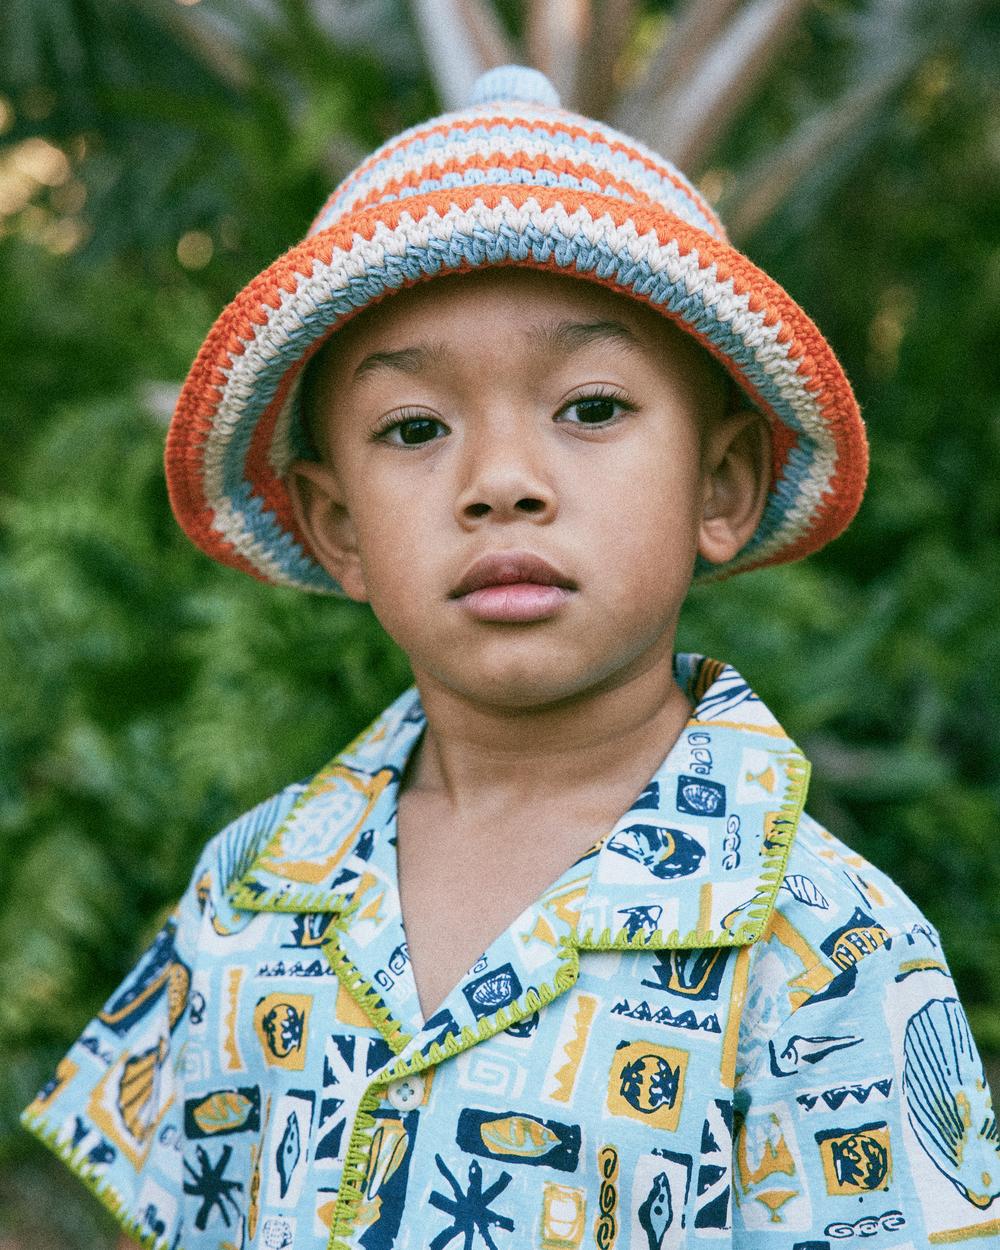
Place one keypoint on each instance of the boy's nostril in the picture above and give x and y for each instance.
(478, 509)
(530, 505)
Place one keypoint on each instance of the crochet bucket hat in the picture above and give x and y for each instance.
(512, 178)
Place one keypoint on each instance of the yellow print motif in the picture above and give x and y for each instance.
(372, 909)
(567, 903)
(233, 1058)
(814, 976)
(225, 1111)
(66, 1069)
(854, 943)
(389, 1144)
(574, 1047)
(775, 1159)
(856, 1161)
(281, 1022)
(517, 1135)
(361, 792)
(256, 1160)
(128, 1102)
(766, 779)
(606, 1224)
(542, 932)
(647, 1083)
(563, 1216)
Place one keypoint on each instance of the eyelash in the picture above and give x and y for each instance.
(394, 421)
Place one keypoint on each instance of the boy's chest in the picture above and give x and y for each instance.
(459, 891)
(603, 1118)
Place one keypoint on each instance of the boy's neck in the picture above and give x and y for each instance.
(600, 746)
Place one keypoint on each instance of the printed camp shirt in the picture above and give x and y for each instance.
(719, 1027)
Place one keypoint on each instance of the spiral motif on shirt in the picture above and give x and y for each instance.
(606, 1225)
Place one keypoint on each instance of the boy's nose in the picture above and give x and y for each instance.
(505, 483)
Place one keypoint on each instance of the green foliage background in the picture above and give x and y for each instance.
(149, 696)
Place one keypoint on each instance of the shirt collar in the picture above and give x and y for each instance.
(696, 861)
(699, 857)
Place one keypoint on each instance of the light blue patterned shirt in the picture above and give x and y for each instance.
(719, 1027)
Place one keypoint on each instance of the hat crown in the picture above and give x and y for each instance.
(519, 83)
(514, 133)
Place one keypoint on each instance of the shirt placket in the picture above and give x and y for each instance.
(457, 1026)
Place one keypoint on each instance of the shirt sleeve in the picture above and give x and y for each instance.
(866, 1114)
(113, 1109)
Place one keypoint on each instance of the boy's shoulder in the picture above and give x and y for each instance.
(834, 908)
(840, 940)
(228, 854)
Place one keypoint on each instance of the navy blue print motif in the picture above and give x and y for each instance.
(691, 974)
(210, 1183)
(518, 1138)
(159, 971)
(714, 1167)
(289, 1151)
(387, 1182)
(641, 919)
(860, 936)
(649, 1082)
(667, 853)
(649, 800)
(309, 930)
(656, 1213)
(940, 1066)
(347, 1063)
(470, 1208)
(492, 990)
(807, 1050)
(698, 796)
(223, 1111)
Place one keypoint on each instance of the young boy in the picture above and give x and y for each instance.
(550, 955)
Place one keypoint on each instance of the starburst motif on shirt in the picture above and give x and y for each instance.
(211, 1185)
(469, 1210)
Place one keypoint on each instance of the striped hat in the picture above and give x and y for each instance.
(510, 179)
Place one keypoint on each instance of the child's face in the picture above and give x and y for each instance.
(511, 414)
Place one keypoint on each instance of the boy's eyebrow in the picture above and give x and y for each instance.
(567, 337)
(406, 360)
(564, 338)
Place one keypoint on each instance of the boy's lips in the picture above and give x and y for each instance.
(512, 586)
(510, 568)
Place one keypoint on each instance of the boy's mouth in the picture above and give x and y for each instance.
(512, 586)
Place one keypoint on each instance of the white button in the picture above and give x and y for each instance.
(407, 1092)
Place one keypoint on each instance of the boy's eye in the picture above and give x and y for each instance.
(593, 410)
(412, 431)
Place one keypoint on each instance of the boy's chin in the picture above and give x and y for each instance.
(523, 687)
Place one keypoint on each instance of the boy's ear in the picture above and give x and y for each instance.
(736, 474)
(318, 504)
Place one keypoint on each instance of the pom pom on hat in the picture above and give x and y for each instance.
(513, 82)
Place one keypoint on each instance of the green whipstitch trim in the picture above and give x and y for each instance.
(777, 849)
(246, 899)
(352, 1180)
(363, 992)
(102, 1192)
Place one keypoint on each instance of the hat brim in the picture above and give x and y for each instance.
(235, 429)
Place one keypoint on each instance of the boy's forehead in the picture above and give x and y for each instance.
(545, 314)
